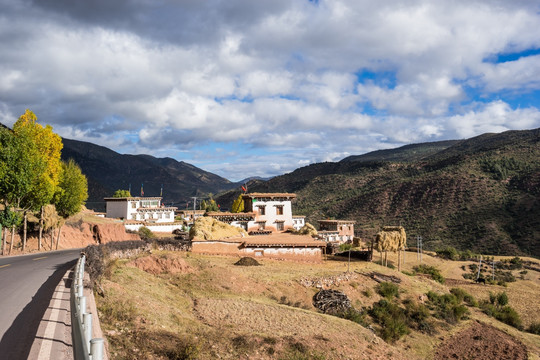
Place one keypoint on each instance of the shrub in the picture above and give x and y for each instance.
(464, 296)
(388, 290)
(502, 299)
(367, 292)
(509, 316)
(430, 270)
(345, 247)
(354, 315)
(145, 233)
(534, 328)
(447, 307)
(497, 307)
(449, 253)
(391, 318)
(417, 315)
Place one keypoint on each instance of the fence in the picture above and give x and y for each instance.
(84, 347)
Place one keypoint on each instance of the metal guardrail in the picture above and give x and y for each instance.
(84, 347)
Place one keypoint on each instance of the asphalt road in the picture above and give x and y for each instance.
(27, 284)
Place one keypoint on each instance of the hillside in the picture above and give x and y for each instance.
(175, 305)
(480, 194)
(108, 171)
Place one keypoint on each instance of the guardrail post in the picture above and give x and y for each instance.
(96, 349)
(87, 325)
(82, 306)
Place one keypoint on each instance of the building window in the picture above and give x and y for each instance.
(262, 225)
(133, 205)
(279, 226)
(279, 210)
(262, 210)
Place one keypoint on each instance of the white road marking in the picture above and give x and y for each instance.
(45, 352)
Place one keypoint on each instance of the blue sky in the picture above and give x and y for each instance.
(248, 88)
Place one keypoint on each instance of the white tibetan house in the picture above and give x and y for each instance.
(145, 209)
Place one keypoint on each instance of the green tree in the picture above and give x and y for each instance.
(122, 194)
(203, 205)
(8, 219)
(71, 193)
(21, 166)
(212, 205)
(238, 205)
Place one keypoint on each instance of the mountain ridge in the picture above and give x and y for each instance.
(480, 194)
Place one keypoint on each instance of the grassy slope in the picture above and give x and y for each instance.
(234, 312)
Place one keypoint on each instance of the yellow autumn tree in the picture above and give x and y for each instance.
(48, 146)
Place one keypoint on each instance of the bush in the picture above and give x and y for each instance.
(417, 316)
(447, 307)
(391, 318)
(145, 233)
(388, 290)
(464, 296)
(449, 253)
(345, 247)
(502, 299)
(497, 307)
(430, 270)
(534, 328)
(354, 315)
(509, 316)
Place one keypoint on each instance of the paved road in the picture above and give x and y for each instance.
(27, 284)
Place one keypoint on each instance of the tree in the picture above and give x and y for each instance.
(8, 219)
(212, 205)
(21, 166)
(71, 193)
(122, 194)
(238, 205)
(45, 146)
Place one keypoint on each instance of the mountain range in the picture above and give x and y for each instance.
(108, 171)
(480, 194)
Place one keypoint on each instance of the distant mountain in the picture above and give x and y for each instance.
(108, 171)
(481, 193)
(407, 153)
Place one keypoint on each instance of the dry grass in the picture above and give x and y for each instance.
(217, 309)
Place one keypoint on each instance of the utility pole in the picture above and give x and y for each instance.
(419, 248)
(194, 204)
(479, 267)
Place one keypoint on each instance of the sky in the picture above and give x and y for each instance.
(247, 88)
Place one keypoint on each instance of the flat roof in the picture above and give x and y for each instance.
(136, 198)
(274, 240)
(269, 195)
(337, 221)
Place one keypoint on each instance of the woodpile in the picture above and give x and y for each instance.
(331, 302)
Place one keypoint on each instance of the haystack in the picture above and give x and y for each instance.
(207, 228)
(308, 229)
(391, 238)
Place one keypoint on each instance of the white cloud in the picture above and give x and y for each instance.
(277, 77)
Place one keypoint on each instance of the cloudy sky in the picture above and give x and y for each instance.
(259, 88)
